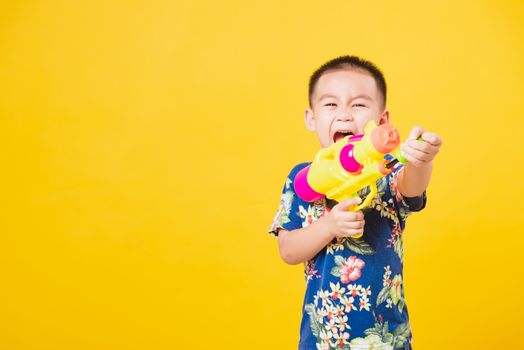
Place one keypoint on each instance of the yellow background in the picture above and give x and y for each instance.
(145, 145)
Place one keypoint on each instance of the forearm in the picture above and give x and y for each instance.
(413, 181)
(303, 244)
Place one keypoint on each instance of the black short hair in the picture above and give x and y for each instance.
(349, 62)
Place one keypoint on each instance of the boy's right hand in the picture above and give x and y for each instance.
(344, 223)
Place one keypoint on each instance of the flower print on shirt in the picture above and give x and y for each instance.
(330, 313)
(309, 270)
(347, 269)
(396, 241)
(313, 212)
(350, 269)
(386, 208)
(379, 337)
(403, 210)
(392, 292)
(336, 245)
(356, 245)
(282, 215)
(337, 308)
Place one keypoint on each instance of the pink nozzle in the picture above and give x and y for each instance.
(302, 188)
(385, 138)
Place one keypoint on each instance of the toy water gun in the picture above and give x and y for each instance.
(339, 171)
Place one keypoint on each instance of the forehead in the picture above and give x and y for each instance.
(346, 83)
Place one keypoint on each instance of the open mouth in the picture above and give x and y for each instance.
(339, 135)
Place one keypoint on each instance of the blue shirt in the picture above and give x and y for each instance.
(354, 287)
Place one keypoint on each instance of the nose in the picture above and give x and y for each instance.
(344, 116)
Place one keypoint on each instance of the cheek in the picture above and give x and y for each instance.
(322, 121)
(364, 121)
(325, 129)
(326, 121)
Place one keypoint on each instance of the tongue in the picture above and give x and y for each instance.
(339, 136)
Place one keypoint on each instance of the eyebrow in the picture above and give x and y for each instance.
(367, 97)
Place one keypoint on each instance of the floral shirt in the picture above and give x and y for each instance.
(354, 288)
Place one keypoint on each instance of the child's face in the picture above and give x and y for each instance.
(343, 102)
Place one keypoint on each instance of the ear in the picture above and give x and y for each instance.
(309, 118)
(384, 119)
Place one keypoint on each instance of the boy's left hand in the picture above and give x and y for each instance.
(421, 153)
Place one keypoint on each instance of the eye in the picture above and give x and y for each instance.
(330, 104)
(359, 105)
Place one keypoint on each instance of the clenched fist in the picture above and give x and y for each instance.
(344, 223)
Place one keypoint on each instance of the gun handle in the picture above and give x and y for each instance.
(366, 202)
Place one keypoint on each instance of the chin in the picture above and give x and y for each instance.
(327, 144)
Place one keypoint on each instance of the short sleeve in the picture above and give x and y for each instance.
(405, 205)
(287, 216)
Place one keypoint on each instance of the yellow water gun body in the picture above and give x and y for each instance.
(339, 171)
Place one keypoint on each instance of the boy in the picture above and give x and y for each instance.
(354, 295)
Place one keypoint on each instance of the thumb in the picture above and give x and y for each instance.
(416, 132)
(345, 204)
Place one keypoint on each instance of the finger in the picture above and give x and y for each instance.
(418, 145)
(348, 216)
(413, 160)
(416, 132)
(345, 204)
(425, 147)
(432, 138)
(354, 225)
(423, 156)
(353, 232)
